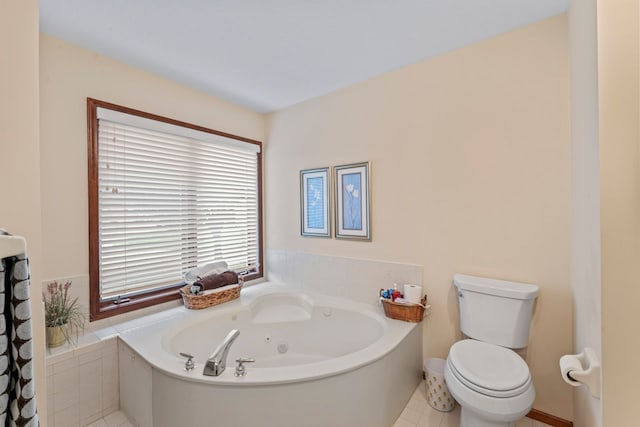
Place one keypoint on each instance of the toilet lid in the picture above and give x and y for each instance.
(488, 368)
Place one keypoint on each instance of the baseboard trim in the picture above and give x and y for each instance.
(549, 419)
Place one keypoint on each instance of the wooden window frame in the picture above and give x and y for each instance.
(104, 309)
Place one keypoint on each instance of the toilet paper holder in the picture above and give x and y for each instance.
(583, 368)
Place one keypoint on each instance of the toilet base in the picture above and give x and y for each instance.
(471, 419)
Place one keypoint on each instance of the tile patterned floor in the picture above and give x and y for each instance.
(116, 419)
(418, 413)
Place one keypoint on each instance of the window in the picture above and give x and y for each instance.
(165, 196)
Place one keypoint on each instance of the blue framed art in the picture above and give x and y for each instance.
(352, 204)
(314, 203)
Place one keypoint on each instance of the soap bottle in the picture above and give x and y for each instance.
(396, 293)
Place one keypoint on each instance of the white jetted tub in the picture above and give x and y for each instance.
(320, 361)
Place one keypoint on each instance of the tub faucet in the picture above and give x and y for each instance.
(218, 360)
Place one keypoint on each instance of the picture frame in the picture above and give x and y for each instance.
(352, 201)
(315, 209)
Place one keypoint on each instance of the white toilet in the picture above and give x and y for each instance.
(490, 381)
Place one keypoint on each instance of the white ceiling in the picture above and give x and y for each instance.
(270, 54)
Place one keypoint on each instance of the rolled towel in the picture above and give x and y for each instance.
(195, 274)
(214, 281)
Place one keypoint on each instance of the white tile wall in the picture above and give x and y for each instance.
(353, 278)
(82, 383)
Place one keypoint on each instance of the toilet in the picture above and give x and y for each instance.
(490, 381)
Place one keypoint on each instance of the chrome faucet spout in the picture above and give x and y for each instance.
(217, 362)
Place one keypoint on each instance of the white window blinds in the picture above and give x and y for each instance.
(170, 199)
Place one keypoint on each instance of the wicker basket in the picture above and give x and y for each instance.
(197, 302)
(407, 312)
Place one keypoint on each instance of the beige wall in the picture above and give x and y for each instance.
(619, 134)
(68, 75)
(470, 157)
(585, 220)
(20, 154)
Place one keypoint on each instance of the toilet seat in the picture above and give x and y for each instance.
(489, 369)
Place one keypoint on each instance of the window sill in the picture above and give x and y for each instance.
(111, 328)
(108, 310)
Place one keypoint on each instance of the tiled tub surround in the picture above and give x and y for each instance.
(352, 278)
(82, 383)
(82, 379)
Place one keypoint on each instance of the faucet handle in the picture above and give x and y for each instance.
(241, 370)
(188, 365)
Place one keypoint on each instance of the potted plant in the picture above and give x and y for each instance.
(63, 315)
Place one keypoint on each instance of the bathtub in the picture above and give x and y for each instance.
(319, 361)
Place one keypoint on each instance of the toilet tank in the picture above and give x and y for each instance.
(495, 311)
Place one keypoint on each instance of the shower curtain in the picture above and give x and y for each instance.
(17, 384)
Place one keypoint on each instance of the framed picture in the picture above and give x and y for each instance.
(314, 203)
(352, 201)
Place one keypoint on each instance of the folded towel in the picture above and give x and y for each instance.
(217, 280)
(195, 274)
(222, 289)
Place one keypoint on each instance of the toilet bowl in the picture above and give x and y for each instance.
(490, 381)
(492, 384)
